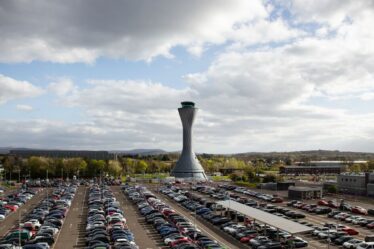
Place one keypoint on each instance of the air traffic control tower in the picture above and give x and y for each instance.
(188, 166)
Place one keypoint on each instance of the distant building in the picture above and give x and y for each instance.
(304, 193)
(317, 167)
(278, 186)
(356, 184)
(311, 170)
(98, 155)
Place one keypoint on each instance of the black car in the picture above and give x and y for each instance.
(340, 241)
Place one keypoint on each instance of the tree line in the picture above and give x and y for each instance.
(39, 167)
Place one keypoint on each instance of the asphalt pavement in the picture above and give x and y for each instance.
(72, 233)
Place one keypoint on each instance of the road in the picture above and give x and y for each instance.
(13, 218)
(145, 235)
(72, 234)
(204, 228)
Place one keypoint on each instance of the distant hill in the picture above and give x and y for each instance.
(313, 155)
(143, 152)
(6, 150)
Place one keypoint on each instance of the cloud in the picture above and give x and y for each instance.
(277, 83)
(62, 86)
(331, 12)
(13, 89)
(24, 108)
(82, 31)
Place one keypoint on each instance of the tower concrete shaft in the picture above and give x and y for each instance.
(188, 166)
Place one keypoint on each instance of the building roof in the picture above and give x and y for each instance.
(314, 167)
(304, 189)
(266, 218)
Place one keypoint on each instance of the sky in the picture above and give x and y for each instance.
(270, 75)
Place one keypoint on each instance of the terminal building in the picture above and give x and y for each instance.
(317, 168)
(304, 193)
(311, 170)
(356, 184)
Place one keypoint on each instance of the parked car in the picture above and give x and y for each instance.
(366, 245)
(352, 244)
(359, 210)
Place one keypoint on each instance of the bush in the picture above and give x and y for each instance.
(269, 178)
(332, 189)
(246, 184)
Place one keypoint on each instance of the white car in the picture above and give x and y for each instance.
(44, 245)
(232, 228)
(352, 218)
(366, 245)
(352, 244)
(49, 228)
(320, 230)
(356, 221)
(173, 238)
(11, 246)
(2, 217)
(326, 234)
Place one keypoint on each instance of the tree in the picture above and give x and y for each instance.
(269, 178)
(114, 168)
(73, 166)
(38, 166)
(129, 165)
(355, 168)
(238, 176)
(9, 165)
(141, 167)
(370, 165)
(332, 189)
(165, 167)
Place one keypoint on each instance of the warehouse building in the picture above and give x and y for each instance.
(317, 167)
(311, 170)
(98, 155)
(356, 184)
(304, 193)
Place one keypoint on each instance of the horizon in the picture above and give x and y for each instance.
(267, 76)
(179, 151)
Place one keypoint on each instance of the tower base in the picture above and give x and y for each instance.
(192, 175)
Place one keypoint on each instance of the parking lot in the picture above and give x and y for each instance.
(312, 219)
(147, 216)
(145, 236)
(13, 218)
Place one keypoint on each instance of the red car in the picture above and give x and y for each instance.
(370, 225)
(12, 208)
(332, 204)
(277, 200)
(322, 203)
(179, 241)
(247, 238)
(350, 231)
(359, 210)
